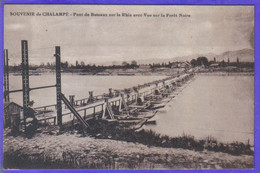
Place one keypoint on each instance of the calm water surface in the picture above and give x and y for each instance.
(74, 84)
(218, 106)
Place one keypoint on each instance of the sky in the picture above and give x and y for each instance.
(99, 40)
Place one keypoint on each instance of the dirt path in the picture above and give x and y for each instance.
(72, 151)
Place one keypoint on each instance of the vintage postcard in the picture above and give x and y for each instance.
(128, 86)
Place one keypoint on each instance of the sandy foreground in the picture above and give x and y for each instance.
(67, 150)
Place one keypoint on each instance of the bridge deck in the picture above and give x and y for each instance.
(90, 110)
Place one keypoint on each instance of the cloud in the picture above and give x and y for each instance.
(15, 26)
(207, 25)
(209, 29)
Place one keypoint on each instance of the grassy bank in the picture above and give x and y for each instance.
(150, 138)
(72, 151)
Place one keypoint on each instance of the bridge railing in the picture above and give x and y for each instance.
(79, 102)
(84, 101)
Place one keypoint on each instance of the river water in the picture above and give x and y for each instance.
(74, 84)
(218, 106)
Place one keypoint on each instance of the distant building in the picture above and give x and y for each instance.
(174, 65)
(145, 67)
(214, 65)
(232, 68)
(184, 64)
(41, 70)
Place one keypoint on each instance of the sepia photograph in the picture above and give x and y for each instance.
(128, 86)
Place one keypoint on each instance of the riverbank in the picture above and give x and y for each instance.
(61, 151)
(165, 72)
(225, 73)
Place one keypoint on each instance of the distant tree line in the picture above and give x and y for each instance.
(160, 65)
(78, 65)
(200, 61)
(66, 66)
(204, 61)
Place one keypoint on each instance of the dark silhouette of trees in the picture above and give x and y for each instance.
(134, 63)
(203, 61)
(200, 61)
(194, 63)
(124, 64)
(64, 64)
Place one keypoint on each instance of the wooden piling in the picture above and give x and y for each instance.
(58, 85)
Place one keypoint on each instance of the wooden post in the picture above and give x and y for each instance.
(120, 104)
(71, 98)
(110, 92)
(104, 107)
(25, 79)
(90, 98)
(25, 73)
(58, 85)
(6, 76)
(72, 120)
